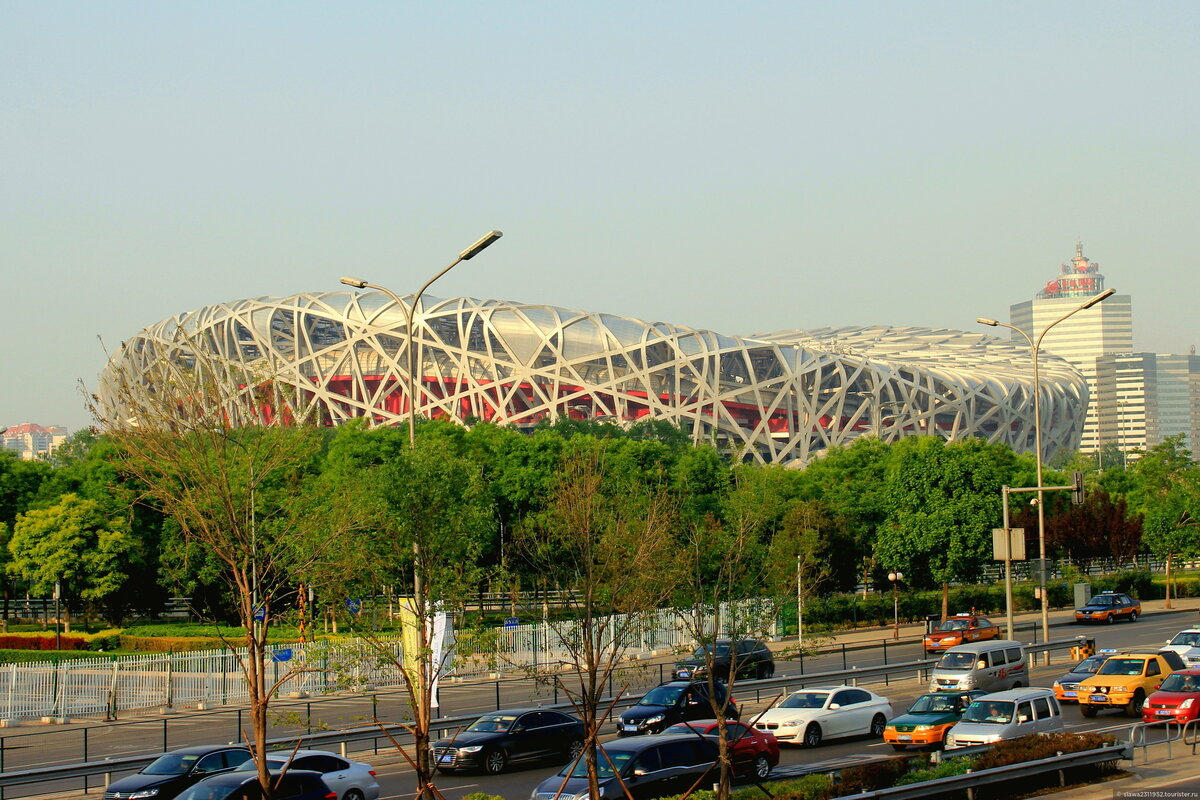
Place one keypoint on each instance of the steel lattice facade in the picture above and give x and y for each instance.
(776, 397)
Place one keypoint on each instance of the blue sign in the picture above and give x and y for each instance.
(282, 655)
(354, 606)
(260, 614)
(511, 622)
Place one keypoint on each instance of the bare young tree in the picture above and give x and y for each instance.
(605, 538)
(205, 439)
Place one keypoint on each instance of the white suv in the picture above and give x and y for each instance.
(1187, 645)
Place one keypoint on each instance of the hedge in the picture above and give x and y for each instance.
(18, 641)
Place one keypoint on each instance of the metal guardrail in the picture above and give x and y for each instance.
(986, 777)
(342, 738)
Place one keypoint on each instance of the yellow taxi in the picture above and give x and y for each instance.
(960, 629)
(1125, 680)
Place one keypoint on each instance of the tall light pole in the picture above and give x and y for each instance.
(1034, 348)
(421, 681)
(410, 310)
(895, 578)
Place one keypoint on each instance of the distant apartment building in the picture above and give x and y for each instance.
(1136, 399)
(30, 441)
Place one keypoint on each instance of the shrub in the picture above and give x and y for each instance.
(947, 769)
(482, 796)
(42, 642)
(1034, 748)
(869, 777)
(172, 644)
(1137, 582)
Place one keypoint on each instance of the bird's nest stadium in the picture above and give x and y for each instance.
(782, 397)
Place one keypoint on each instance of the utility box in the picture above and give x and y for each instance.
(1083, 594)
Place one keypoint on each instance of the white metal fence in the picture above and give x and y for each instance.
(107, 686)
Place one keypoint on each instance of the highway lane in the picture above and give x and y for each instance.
(397, 780)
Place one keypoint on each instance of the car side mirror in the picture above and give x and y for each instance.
(518, 729)
(1023, 719)
(638, 773)
(834, 706)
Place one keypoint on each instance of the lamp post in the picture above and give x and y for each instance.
(409, 311)
(895, 578)
(1035, 347)
(421, 681)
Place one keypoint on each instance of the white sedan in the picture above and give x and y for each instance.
(811, 715)
(351, 780)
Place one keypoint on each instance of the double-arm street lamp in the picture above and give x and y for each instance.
(1035, 347)
(895, 578)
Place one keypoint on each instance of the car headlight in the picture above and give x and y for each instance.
(967, 682)
(142, 793)
(473, 748)
(992, 739)
(1057, 685)
(1187, 703)
(1118, 688)
(950, 740)
(654, 719)
(925, 728)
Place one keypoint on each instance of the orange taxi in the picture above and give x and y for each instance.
(960, 629)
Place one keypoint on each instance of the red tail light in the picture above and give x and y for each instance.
(331, 796)
(372, 772)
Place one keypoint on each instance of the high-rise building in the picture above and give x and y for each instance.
(1083, 338)
(30, 441)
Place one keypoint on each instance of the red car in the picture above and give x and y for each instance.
(1177, 698)
(754, 752)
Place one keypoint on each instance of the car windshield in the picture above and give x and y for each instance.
(953, 625)
(603, 769)
(983, 711)
(720, 649)
(1090, 664)
(956, 661)
(661, 696)
(1190, 638)
(204, 791)
(1103, 601)
(935, 704)
(492, 723)
(272, 763)
(1181, 683)
(1122, 666)
(171, 764)
(804, 700)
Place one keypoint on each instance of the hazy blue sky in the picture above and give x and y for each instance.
(742, 167)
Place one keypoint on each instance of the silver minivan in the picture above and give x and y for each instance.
(993, 666)
(1006, 715)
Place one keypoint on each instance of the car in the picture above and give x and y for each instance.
(501, 738)
(171, 773)
(753, 657)
(809, 716)
(349, 780)
(672, 702)
(927, 720)
(754, 753)
(1125, 680)
(1177, 698)
(960, 629)
(1109, 607)
(648, 767)
(1007, 715)
(238, 785)
(1187, 644)
(1067, 687)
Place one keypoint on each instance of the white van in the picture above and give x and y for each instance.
(992, 666)
(1006, 715)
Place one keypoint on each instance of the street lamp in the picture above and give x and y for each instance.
(1034, 348)
(359, 283)
(895, 578)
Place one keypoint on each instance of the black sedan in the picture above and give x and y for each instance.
(171, 773)
(500, 738)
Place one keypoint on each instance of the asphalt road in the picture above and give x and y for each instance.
(396, 780)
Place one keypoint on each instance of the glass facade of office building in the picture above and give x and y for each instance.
(781, 397)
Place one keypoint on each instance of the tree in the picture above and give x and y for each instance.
(1168, 495)
(208, 442)
(21, 486)
(606, 538)
(944, 500)
(72, 544)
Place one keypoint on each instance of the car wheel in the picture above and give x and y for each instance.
(762, 767)
(1088, 711)
(812, 735)
(574, 750)
(1133, 616)
(1134, 709)
(494, 762)
(353, 794)
(877, 725)
(1110, 619)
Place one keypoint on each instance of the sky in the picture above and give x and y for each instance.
(739, 167)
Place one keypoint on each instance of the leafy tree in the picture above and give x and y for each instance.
(1102, 526)
(1168, 495)
(21, 486)
(73, 542)
(944, 500)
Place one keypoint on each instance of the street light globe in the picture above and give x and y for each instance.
(895, 576)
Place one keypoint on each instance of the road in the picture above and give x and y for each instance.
(396, 779)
